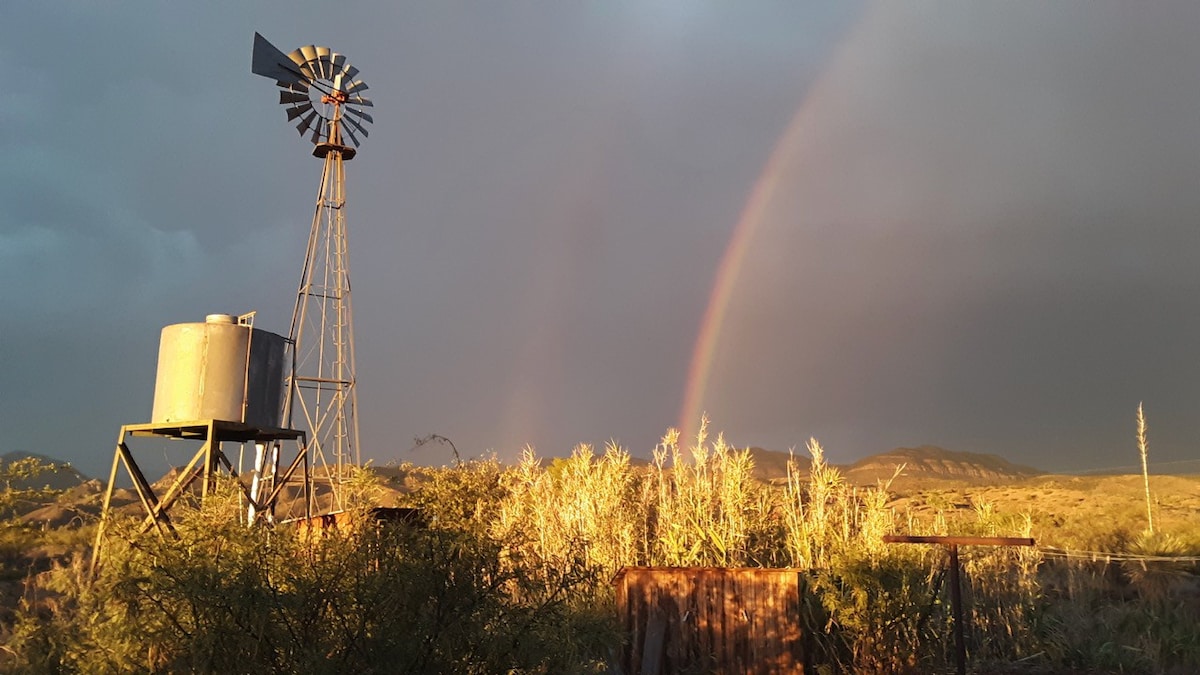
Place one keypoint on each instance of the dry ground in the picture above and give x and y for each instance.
(1098, 512)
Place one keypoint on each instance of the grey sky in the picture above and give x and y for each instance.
(982, 239)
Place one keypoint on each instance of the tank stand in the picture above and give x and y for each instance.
(208, 461)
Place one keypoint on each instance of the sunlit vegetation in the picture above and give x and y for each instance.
(512, 572)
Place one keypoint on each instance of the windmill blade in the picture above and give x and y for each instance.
(309, 52)
(349, 72)
(362, 115)
(357, 85)
(359, 100)
(350, 133)
(319, 132)
(292, 97)
(354, 123)
(326, 68)
(318, 67)
(268, 61)
(298, 87)
(299, 110)
(306, 122)
(338, 62)
(297, 58)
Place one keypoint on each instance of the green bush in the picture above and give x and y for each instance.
(224, 598)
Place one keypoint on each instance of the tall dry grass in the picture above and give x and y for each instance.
(826, 519)
(874, 607)
(871, 607)
(704, 506)
(585, 502)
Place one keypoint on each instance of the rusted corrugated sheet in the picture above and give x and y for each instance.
(711, 620)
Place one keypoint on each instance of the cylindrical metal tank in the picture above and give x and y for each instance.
(219, 370)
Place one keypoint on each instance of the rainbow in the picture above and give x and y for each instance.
(757, 208)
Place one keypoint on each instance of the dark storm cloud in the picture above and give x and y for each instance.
(990, 213)
(987, 240)
(533, 219)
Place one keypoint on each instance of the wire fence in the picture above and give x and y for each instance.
(1102, 556)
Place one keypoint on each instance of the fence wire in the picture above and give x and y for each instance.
(1101, 556)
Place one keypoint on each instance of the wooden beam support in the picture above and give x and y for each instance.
(112, 481)
(955, 540)
(188, 478)
(144, 490)
(281, 482)
(182, 481)
(234, 474)
(209, 466)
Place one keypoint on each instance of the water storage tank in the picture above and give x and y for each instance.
(219, 370)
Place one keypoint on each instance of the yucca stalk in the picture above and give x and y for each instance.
(1143, 449)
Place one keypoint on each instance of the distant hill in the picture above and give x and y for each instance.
(923, 465)
(771, 465)
(929, 462)
(62, 477)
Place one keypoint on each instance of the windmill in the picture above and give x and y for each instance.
(322, 94)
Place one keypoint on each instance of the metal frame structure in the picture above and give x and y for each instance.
(322, 385)
(319, 88)
(204, 466)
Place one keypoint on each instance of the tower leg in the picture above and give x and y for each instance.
(112, 480)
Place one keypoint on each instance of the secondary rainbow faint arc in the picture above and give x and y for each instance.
(709, 335)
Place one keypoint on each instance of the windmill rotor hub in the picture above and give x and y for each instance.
(321, 93)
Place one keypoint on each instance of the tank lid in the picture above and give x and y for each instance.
(220, 318)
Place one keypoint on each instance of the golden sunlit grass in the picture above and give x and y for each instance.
(876, 607)
(570, 524)
(701, 506)
(1090, 513)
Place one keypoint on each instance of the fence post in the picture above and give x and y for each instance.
(952, 543)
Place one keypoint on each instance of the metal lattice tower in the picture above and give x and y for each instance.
(319, 88)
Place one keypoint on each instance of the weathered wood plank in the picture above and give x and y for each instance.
(736, 620)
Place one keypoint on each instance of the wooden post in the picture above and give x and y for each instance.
(112, 479)
(952, 543)
(960, 644)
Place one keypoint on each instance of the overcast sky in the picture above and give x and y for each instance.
(976, 223)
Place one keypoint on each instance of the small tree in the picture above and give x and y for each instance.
(19, 485)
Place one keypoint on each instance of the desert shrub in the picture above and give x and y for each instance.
(876, 609)
(872, 607)
(466, 498)
(29, 548)
(22, 485)
(695, 507)
(226, 598)
(1131, 611)
(512, 575)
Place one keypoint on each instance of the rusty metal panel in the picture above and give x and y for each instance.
(713, 620)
